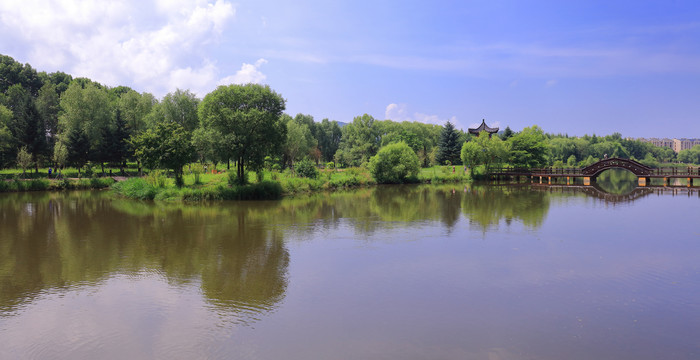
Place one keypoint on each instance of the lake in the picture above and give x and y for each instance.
(494, 272)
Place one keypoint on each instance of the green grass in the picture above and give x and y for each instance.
(443, 174)
(53, 184)
(159, 185)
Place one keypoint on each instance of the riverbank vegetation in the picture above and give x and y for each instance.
(78, 126)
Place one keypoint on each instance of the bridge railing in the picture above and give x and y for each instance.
(675, 171)
(509, 170)
(535, 171)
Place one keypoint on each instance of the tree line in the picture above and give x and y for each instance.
(56, 120)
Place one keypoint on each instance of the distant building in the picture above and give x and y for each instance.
(676, 144)
(684, 144)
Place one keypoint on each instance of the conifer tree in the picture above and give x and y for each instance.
(449, 147)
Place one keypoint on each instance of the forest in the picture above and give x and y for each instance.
(55, 120)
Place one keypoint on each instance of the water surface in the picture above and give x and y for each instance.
(396, 272)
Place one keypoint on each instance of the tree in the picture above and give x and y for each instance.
(507, 133)
(166, 146)
(208, 144)
(77, 144)
(181, 107)
(483, 150)
(528, 148)
(26, 126)
(7, 143)
(248, 119)
(360, 140)
(299, 142)
(24, 159)
(87, 112)
(394, 163)
(48, 106)
(329, 136)
(449, 145)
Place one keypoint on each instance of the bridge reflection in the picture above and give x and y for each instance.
(595, 191)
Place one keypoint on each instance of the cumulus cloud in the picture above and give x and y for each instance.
(144, 44)
(249, 73)
(399, 112)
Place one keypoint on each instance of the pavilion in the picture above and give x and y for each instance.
(483, 127)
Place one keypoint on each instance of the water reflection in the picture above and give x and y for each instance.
(57, 241)
(386, 272)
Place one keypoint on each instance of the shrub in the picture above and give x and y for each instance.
(157, 178)
(233, 179)
(395, 163)
(135, 188)
(306, 168)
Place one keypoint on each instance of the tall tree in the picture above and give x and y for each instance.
(181, 107)
(26, 126)
(168, 145)
(329, 136)
(361, 140)
(7, 143)
(87, 115)
(48, 105)
(248, 119)
(449, 146)
(299, 142)
(528, 148)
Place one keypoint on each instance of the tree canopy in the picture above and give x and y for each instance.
(248, 119)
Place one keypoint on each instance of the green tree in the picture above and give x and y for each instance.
(571, 161)
(87, 111)
(483, 150)
(135, 108)
(24, 159)
(528, 148)
(166, 146)
(7, 142)
(394, 163)
(26, 126)
(48, 106)
(449, 145)
(690, 156)
(507, 134)
(181, 107)
(471, 155)
(360, 140)
(248, 119)
(329, 136)
(300, 141)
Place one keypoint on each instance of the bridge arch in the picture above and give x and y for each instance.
(635, 167)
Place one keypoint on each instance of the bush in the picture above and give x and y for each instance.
(135, 188)
(306, 168)
(395, 163)
(157, 178)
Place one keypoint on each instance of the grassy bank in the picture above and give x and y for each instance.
(53, 184)
(265, 185)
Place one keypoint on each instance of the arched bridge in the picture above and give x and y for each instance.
(644, 173)
(635, 167)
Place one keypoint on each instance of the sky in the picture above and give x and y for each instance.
(571, 67)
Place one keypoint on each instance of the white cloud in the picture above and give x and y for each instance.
(399, 112)
(249, 73)
(144, 44)
(551, 83)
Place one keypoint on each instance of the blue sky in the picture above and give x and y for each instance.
(576, 67)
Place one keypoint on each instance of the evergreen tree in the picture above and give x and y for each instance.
(449, 146)
(507, 133)
(78, 145)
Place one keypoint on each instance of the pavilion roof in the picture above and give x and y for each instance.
(483, 127)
